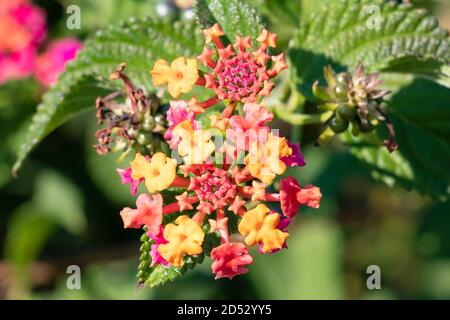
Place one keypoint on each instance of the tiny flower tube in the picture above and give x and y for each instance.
(176, 206)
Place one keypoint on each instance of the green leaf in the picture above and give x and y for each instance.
(421, 116)
(285, 12)
(431, 70)
(344, 32)
(17, 103)
(236, 18)
(137, 42)
(61, 201)
(28, 230)
(311, 268)
(160, 275)
(112, 10)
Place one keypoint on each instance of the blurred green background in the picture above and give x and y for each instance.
(63, 209)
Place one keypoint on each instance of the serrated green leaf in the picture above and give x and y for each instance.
(285, 12)
(137, 42)
(160, 275)
(421, 116)
(431, 70)
(236, 18)
(345, 32)
(58, 106)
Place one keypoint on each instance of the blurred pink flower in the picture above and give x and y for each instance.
(22, 29)
(17, 65)
(53, 61)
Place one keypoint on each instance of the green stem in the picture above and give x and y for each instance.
(296, 133)
(295, 101)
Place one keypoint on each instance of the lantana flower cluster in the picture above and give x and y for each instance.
(219, 179)
(23, 31)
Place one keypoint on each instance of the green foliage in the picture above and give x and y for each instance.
(17, 101)
(137, 42)
(111, 10)
(28, 231)
(310, 273)
(55, 203)
(61, 201)
(160, 275)
(284, 12)
(409, 42)
(420, 115)
(344, 32)
(236, 18)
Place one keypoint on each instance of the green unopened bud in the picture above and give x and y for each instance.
(143, 265)
(149, 123)
(145, 246)
(160, 119)
(346, 111)
(145, 256)
(142, 275)
(338, 125)
(320, 92)
(343, 78)
(144, 237)
(144, 138)
(341, 91)
(330, 76)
